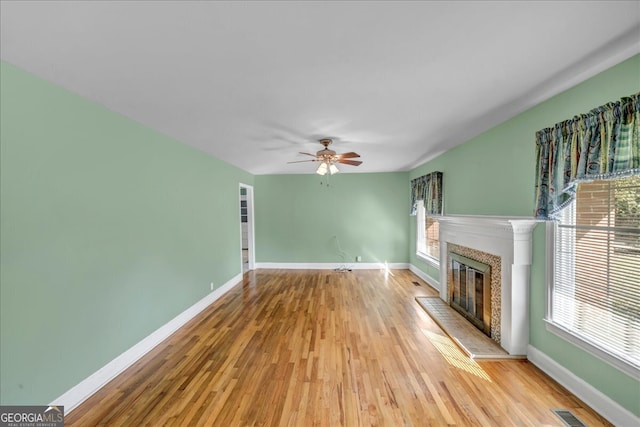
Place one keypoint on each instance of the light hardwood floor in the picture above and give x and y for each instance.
(304, 348)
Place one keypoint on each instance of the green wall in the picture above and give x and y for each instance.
(296, 218)
(108, 230)
(493, 174)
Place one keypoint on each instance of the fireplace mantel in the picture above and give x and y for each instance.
(510, 239)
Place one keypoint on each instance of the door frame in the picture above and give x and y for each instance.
(250, 225)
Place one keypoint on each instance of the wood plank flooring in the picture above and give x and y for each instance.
(323, 348)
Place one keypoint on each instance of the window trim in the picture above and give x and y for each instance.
(421, 238)
(568, 335)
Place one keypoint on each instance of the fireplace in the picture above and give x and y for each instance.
(470, 290)
(504, 244)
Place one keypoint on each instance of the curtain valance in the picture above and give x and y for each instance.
(602, 144)
(429, 189)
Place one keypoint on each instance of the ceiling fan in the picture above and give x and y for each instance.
(329, 158)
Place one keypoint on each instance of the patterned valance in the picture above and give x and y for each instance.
(602, 144)
(429, 189)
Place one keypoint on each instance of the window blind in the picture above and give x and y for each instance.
(433, 237)
(596, 289)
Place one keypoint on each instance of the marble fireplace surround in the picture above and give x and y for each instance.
(510, 238)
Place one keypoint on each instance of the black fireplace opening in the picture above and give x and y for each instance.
(470, 290)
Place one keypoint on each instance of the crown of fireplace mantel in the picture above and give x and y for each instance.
(510, 238)
(506, 224)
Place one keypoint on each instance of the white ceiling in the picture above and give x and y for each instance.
(254, 83)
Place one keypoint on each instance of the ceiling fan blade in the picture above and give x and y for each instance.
(348, 155)
(350, 162)
(308, 154)
(301, 161)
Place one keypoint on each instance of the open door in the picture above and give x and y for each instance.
(247, 241)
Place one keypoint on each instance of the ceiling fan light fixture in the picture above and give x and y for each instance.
(328, 159)
(322, 169)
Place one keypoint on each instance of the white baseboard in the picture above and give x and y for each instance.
(87, 387)
(435, 284)
(598, 401)
(333, 265)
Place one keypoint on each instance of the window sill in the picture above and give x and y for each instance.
(622, 365)
(434, 262)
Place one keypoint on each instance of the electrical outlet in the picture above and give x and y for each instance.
(211, 285)
(358, 258)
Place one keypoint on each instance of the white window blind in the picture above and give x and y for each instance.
(421, 238)
(433, 237)
(427, 234)
(595, 294)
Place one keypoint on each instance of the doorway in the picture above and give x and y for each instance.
(247, 241)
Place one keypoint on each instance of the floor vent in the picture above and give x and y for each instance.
(568, 418)
(416, 284)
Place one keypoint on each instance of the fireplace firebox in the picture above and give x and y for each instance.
(470, 290)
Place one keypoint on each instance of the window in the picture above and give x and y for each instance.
(243, 210)
(594, 290)
(433, 242)
(427, 238)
